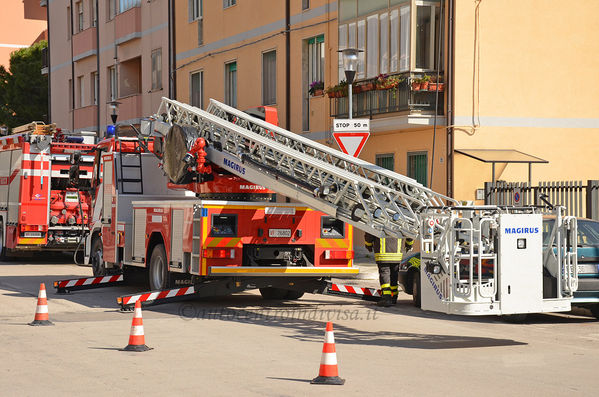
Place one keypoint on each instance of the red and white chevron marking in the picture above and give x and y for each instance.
(155, 295)
(10, 142)
(77, 282)
(348, 289)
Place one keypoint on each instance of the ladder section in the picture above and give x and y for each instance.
(130, 167)
(371, 198)
(330, 156)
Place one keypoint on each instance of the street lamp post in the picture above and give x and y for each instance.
(114, 109)
(350, 65)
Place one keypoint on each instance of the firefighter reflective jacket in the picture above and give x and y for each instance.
(385, 249)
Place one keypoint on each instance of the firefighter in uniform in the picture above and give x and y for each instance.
(387, 254)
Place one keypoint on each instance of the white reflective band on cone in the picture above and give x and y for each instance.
(137, 330)
(329, 359)
(42, 293)
(137, 313)
(329, 337)
(42, 309)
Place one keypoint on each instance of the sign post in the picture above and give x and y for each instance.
(351, 134)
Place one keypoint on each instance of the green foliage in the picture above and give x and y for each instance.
(23, 89)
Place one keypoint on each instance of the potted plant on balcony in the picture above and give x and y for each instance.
(367, 85)
(435, 85)
(316, 88)
(337, 91)
(424, 82)
(380, 81)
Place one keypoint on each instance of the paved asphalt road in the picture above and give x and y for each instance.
(241, 345)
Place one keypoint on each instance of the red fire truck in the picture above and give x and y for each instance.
(43, 205)
(200, 223)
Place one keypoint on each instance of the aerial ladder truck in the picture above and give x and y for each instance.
(455, 240)
(43, 204)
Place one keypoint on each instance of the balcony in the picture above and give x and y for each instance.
(402, 98)
(130, 107)
(128, 25)
(84, 44)
(86, 117)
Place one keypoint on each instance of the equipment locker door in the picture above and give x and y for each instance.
(109, 209)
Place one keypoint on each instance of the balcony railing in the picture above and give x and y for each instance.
(376, 101)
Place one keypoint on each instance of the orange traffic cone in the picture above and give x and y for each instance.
(137, 341)
(41, 312)
(328, 374)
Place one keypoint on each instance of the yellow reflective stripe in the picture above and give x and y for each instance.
(386, 292)
(385, 285)
(388, 257)
(383, 245)
(366, 243)
(409, 242)
(394, 288)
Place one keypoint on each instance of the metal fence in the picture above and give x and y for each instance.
(579, 199)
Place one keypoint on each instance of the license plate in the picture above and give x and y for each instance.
(587, 269)
(33, 234)
(279, 232)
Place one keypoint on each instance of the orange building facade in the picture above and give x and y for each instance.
(22, 23)
(106, 57)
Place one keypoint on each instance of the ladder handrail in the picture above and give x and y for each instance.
(353, 164)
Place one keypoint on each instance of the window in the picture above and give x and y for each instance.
(231, 84)
(305, 4)
(79, 8)
(94, 88)
(130, 77)
(113, 81)
(229, 3)
(92, 13)
(269, 78)
(195, 10)
(427, 36)
(384, 37)
(417, 166)
(111, 9)
(125, 5)
(80, 93)
(157, 69)
(197, 89)
(372, 56)
(316, 59)
(386, 161)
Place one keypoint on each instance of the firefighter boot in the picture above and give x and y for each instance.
(393, 294)
(385, 296)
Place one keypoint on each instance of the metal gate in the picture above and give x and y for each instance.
(579, 199)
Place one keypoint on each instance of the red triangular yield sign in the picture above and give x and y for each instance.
(351, 142)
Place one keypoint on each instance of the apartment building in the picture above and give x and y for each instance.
(106, 57)
(237, 51)
(22, 23)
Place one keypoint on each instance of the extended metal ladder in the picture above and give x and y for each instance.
(369, 197)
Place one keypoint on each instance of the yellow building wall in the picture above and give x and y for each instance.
(531, 85)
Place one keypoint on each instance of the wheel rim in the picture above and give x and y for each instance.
(157, 272)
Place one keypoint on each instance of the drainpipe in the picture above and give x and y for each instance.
(49, 118)
(72, 104)
(450, 99)
(98, 132)
(172, 60)
(287, 66)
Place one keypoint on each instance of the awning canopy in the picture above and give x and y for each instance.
(502, 156)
